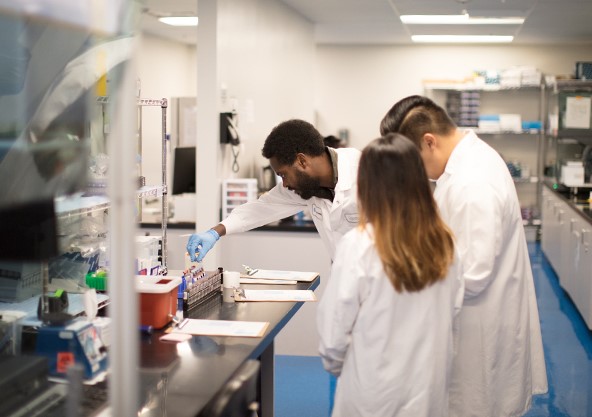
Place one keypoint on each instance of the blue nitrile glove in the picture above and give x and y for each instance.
(201, 243)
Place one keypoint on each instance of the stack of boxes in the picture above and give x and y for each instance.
(463, 107)
(19, 281)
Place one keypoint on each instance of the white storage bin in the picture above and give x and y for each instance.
(236, 192)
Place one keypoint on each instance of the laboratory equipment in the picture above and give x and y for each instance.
(75, 342)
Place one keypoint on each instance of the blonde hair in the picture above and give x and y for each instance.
(394, 196)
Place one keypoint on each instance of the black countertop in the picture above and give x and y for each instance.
(279, 226)
(289, 226)
(579, 202)
(179, 380)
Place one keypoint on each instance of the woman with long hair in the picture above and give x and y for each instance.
(387, 315)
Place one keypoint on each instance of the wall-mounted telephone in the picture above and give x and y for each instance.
(228, 129)
(229, 135)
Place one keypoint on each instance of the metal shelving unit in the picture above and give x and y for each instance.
(506, 98)
(563, 141)
(81, 205)
(161, 191)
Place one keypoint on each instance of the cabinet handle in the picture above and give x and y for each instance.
(571, 225)
(560, 216)
(584, 242)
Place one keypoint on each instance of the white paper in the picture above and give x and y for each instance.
(246, 280)
(222, 328)
(175, 337)
(289, 275)
(577, 112)
(277, 295)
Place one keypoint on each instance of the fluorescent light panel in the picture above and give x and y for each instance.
(458, 19)
(461, 39)
(179, 20)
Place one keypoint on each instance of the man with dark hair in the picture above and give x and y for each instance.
(499, 363)
(334, 142)
(313, 175)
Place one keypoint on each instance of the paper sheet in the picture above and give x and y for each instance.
(577, 112)
(284, 275)
(277, 295)
(249, 280)
(222, 328)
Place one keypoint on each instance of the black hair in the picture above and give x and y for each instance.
(290, 138)
(333, 142)
(415, 116)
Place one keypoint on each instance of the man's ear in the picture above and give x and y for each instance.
(302, 160)
(430, 141)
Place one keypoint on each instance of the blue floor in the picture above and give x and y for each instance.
(303, 388)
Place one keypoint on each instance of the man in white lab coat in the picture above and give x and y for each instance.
(314, 176)
(499, 363)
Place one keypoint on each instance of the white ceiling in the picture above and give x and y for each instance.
(377, 21)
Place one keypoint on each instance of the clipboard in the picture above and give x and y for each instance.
(251, 280)
(222, 328)
(242, 294)
(280, 275)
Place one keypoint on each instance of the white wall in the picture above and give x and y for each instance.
(356, 85)
(166, 69)
(266, 62)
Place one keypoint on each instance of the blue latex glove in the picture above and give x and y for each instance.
(201, 243)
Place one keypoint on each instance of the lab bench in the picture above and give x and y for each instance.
(566, 240)
(198, 369)
(282, 245)
(181, 379)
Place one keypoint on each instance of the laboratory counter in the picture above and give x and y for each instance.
(190, 374)
(180, 379)
(566, 238)
(577, 201)
(279, 226)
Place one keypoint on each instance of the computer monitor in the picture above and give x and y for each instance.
(29, 231)
(184, 170)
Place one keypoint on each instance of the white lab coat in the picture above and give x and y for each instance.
(332, 218)
(392, 351)
(500, 361)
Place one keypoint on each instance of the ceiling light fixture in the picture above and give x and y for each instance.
(179, 20)
(461, 39)
(458, 19)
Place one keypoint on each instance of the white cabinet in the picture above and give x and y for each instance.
(548, 201)
(567, 242)
(583, 296)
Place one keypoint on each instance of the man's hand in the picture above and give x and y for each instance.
(201, 243)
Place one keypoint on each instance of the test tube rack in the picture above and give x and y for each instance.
(200, 286)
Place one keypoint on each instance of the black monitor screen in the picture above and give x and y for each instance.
(184, 170)
(29, 231)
